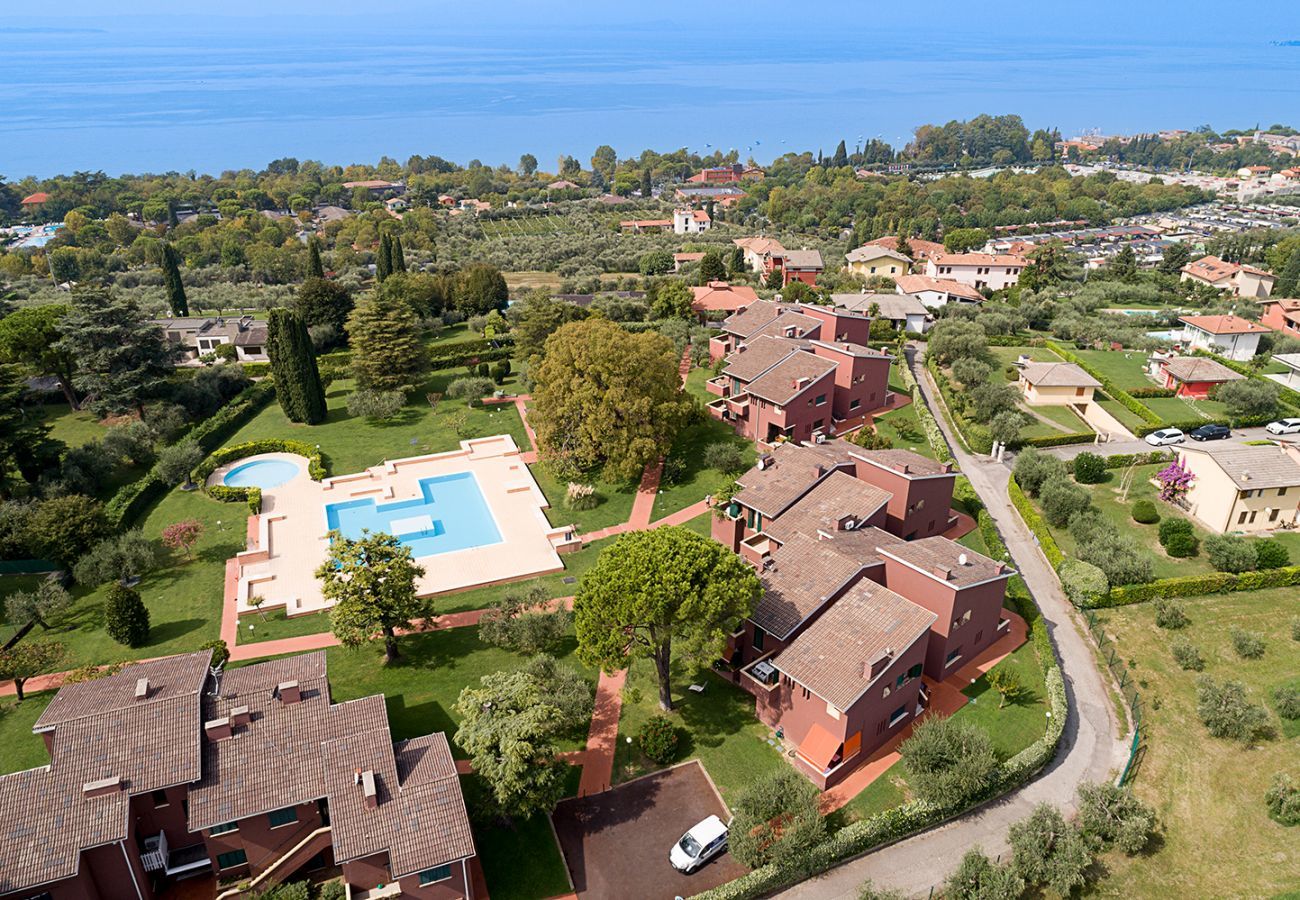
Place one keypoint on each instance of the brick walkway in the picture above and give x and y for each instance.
(602, 737)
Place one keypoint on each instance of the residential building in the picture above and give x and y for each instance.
(1229, 335)
(978, 270)
(872, 259)
(691, 221)
(721, 296)
(1292, 363)
(1240, 280)
(637, 226)
(1194, 376)
(681, 259)
(33, 202)
(853, 618)
(920, 249)
(903, 311)
(171, 768)
(757, 251)
(727, 174)
(933, 293)
(563, 185)
(395, 204)
(1281, 314)
(197, 337)
(800, 265)
(1056, 384)
(377, 188)
(1235, 487)
(724, 194)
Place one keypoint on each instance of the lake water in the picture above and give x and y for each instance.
(164, 93)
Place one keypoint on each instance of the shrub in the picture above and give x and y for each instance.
(1187, 655)
(657, 738)
(92, 672)
(869, 440)
(175, 463)
(1112, 816)
(1271, 554)
(726, 457)
(523, 622)
(1089, 468)
(1295, 629)
(470, 387)
(1083, 582)
(948, 762)
(979, 878)
(580, 496)
(125, 617)
(1227, 712)
(1283, 799)
(62, 529)
(1169, 614)
(1248, 644)
(501, 371)
(220, 652)
(1229, 553)
(1287, 701)
(1048, 850)
(376, 406)
(1181, 546)
(124, 557)
(1032, 469)
(1172, 527)
(1061, 499)
(776, 818)
(1145, 513)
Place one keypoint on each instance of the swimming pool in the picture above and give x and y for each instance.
(261, 473)
(451, 514)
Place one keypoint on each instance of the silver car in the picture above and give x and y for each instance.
(1165, 436)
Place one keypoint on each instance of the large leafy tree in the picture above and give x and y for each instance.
(28, 337)
(948, 762)
(387, 354)
(27, 659)
(293, 364)
(657, 592)
(171, 269)
(315, 267)
(606, 397)
(122, 357)
(45, 602)
(537, 318)
(1048, 850)
(509, 726)
(479, 289)
(24, 439)
(371, 582)
(323, 302)
(776, 818)
(979, 878)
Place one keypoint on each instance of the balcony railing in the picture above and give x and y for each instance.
(392, 889)
(157, 856)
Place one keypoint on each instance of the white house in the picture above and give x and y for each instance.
(201, 336)
(933, 293)
(904, 312)
(1230, 336)
(691, 221)
(979, 270)
(1241, 280)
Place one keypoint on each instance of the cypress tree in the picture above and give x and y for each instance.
(841, 157)
(315, 268)
(126, 618)
(384, 261)
(647, 183)
(293, 366)
(176, 299)
(397, 259)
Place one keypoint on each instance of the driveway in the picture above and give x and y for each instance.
(616, 842)
(1116, 448)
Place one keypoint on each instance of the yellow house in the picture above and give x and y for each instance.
(1241, 488)
(871, 260)
(1056, 384)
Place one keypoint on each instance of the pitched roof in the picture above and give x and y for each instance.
(806, 573)
(1253, 468)
(915, 284)
(786, 473)
(1050, 374)
(174, 676)
(979, 259)
(1198, 369)
(875, 251)
(1228, 324)
(947, 561)
(895, 307)
(759, 245)
(720, 295)
(758, 355)
(751, 318)
(790, 324)
(921, 249)
(904, 462)
(791, 377)
(1211, 269)
(34, 199)
(836, 497)
(834, 655)
(803, 259)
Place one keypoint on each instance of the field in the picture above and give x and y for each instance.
(1123, 367)
(904, 430)
(73, 428)
(1208, 792)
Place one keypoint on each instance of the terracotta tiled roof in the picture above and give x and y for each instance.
(35, 199)
(920, 249)
(1050, 374)
(1253, 468)
(1198, 369)
(759, 355)
(947, 561)
(175, 676)
(1228, 324)
(751, 318)
(834, 655)
(791, 324)
(759, 245)
(875, 251)
(719, 295)
(791, 377)
(806, 574)
(915, 284)
(789, 471)
(1211, 269)
(904, 462)
(837, 496)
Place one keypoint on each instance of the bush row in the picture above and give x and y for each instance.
(1124, 460)
(1190, 424)
(1197, 585)
(1152, 393)
(975, 437)
(1035, 523)
(1060, 440)
(317, 468)
(933, 434)
(1115, 391)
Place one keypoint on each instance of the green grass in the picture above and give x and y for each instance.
(695, 380)
(1065, 419)
(903, 428)
(696, 480)
(1176, 409)
(1126, 416)
(23, 750)
(353, 444)
(521, 859)
(975, 541)
(1007, 356)
(72, 428)
(615, 500)
(718, 726)
(454, 334)
(701, 525)
(1123, 367)
(1016, 725)
(13, 584)
(1208, 792)
(886, 792)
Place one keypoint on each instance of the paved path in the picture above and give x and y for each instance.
(602, 737)
(1091, 748)
(1114, 448)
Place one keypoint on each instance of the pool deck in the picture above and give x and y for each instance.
(290, 537)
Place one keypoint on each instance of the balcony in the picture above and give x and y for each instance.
(393, 889)
(719, 384)
(156, 856)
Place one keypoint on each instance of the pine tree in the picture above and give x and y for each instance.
(315, 268)
(293, 365)
(176, 299)
(397, 258)
(841, 157)
(126, 619)
(384, 259)
(384, 334)
(1289, 281)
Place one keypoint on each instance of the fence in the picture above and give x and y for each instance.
(1127, 687)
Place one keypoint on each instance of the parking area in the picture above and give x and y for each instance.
(616, 842)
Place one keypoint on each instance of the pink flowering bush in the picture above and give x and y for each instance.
(1174, 482)
(183, 536)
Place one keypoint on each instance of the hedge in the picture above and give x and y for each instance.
(1124, 460)
(979, 442)
(1288, 396)
(1059, 440)
(1035, 522)
(1198, 585)
(1115, 391)
(1152, 393)
(317, 467)
(1190, 424)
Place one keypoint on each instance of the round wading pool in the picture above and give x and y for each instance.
(261, 473)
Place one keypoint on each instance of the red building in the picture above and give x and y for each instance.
(853, 617)
(726, 174)
(171, 769)
(799, 265)
(1195, 376)
(1281, 314)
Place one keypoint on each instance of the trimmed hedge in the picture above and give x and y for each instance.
(1190, 424)
(317, 467)
(1198, 585)
(1115, 391)
(1036, 524)
(1124, 460)
(1152, 393)
(1060, 440)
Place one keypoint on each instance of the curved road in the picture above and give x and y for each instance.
(1091, 748)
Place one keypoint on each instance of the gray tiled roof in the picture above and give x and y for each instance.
(1255, 468)
(1199, 369)
(789, 472)
(948, 561)
(759, 355)
(1050, 374)
(790, 324)
(833, 656)
(790, 377)
(174, 676)
(837, 496)
(905, 462)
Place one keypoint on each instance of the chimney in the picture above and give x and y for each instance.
(142, 688)
(217, 729)
(288, 692)
(943, 572)
(369, 790)
(240, 716)
(101, 787)
(907, 468)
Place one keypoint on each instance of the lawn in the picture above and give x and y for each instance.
(903, 428)
(1208, 792)
(72, 428)
(521, 859)
(352, 444)
(686, 478)
(1123, 367)
(1064, 421)
(12, 584)
(718, 726)
(23, 750)
(614, 508)
(1007, 356)
(695, 380)
(1129, 419)
(701, 525)
(1176, 409)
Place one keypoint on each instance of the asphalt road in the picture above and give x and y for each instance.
(1115, 448)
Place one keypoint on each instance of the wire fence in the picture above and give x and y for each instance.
(1128, 687)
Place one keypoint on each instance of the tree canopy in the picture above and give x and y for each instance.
(371, 582)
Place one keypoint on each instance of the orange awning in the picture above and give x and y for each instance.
(819, 747)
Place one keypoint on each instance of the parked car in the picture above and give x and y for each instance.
(1164, 436)
(1210, 433)
(1283, 426)
(699, 845)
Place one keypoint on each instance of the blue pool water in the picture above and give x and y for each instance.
(450, 515)
(261, 473)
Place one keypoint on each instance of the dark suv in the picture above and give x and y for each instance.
(1210, 433)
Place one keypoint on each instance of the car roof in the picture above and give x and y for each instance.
(1168, 431)
(708, 829)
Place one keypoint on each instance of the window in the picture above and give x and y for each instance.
(1241, 519)
(758, 638)
(434, 875)
(1272, 515)
(854, 404)
(159, 799)
(286, 816)
(231, 859)
(952, 658)
(1253, 513)
(223, 829)
(897, 716)
(915, 671)
(821, 400)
